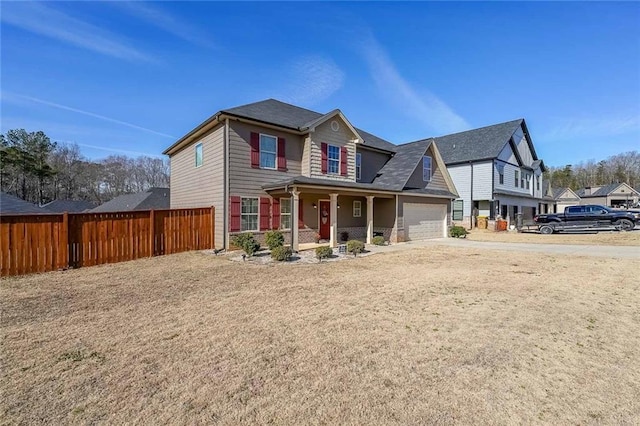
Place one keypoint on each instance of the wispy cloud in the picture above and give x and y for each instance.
(111, 149)
(6, 96)
(577, 128)
(47, 21)
(312, 79)
(166, 21)
(422, 105)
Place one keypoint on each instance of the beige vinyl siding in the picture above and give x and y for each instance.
(342, 137)
(246, 181)
(372, 162)
(202, 186)
(437, 179)
(305, 167)
(345, 212)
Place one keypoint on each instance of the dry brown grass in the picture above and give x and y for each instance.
(609, 238)
(437, 335)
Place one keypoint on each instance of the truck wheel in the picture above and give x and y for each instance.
(624, 225)
(546, 229)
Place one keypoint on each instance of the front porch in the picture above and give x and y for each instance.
(334, 217)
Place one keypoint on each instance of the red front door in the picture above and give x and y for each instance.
(324, 213)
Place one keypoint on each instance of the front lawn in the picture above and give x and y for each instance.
(432, 335)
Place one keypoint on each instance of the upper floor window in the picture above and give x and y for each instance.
(333, 159)
(426, 168)
(285, 213)
(199, 155)
(249, 214)
(528, 178)
(516, 178)
(358, 166)
(268, 151)
(538, 183)
(522, 180)
(500, 168)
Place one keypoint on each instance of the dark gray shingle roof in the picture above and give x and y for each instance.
(557, 192)
(294, 117)
(302, 180)
(395, 174)
(71, 206)
(476, 144)
(14, 205)
(153, 198)
(603, 191)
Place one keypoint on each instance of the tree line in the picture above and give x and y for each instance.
(36, 169)
(618, 168)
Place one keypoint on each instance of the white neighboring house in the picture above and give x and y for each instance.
(496, 170)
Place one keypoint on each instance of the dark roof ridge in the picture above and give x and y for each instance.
(479, 128)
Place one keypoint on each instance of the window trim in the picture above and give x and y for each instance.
(528, 181)
(454, 210)
(257, 214)
(199, 145)
(260, 151)
(537, 183)
(358, 208)
(516, 175)
(424, 157)
(285, 214)
(500, 168)
(358, 165)
(330, 160)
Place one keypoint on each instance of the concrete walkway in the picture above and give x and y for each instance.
(618, 252)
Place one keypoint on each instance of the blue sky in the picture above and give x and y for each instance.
(131, 78)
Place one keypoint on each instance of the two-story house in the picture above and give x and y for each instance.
(271, 165)
(496, 171)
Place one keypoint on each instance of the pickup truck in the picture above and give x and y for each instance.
(585, 217)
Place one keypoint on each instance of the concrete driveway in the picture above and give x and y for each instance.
(619, 252)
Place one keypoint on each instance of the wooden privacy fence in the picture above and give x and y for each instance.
(48, 242)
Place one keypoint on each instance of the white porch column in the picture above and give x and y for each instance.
(369, 219)
(333, 234)
(294, 219)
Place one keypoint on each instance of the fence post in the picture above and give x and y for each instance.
(64, 242)
(152, 232)
(213, 227)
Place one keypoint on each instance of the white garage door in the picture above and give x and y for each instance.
(424, 221)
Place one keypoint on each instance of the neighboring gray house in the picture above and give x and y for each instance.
(151, 199)
(10, 204)
(271, 165)
(612, 195)
(563, 198)
(69, 206)
(496, 170)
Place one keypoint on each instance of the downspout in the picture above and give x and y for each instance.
(225, 216)
(492, 204)
(397, 220)
(471, 192)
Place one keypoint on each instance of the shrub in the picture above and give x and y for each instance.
(344, 236)
(378, 241)
(274, 239)
(323, 252)
(281, 253)
(355, 247)
(247, 243)
(457, 232)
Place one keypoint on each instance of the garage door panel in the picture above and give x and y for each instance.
(424, 221)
